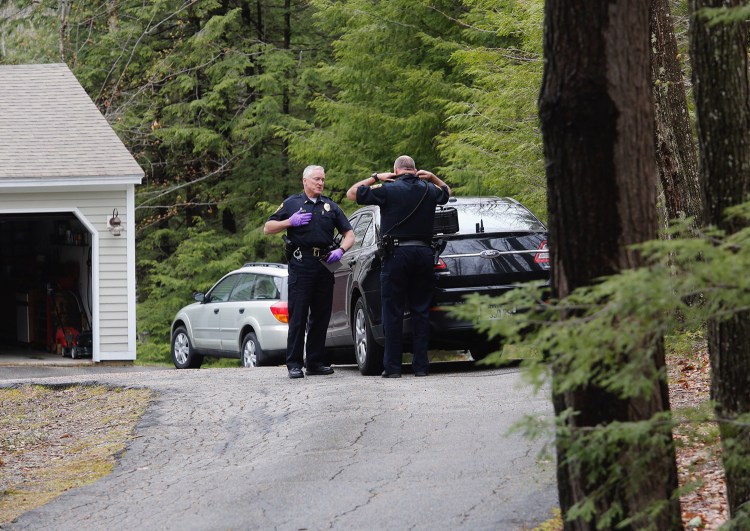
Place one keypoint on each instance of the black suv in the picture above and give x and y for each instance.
(496, 244)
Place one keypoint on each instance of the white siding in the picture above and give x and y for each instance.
(113, 284)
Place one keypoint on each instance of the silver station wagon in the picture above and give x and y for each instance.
(244, 315)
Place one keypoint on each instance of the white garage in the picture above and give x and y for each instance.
(67, 233)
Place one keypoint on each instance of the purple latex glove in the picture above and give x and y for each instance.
(335, 256)
(300, 218)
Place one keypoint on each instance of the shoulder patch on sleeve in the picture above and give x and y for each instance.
(376, 186)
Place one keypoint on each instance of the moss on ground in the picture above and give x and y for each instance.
(53, 439)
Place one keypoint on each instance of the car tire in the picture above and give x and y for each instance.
(368, 353)
(252, 353)
(183, 354)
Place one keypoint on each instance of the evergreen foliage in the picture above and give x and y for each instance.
(594, 336)
(452, 84)
(223, 104)
(26, 35)
(201, 92)
(492, 142)
(391, 78)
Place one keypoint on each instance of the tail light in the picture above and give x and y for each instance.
(280, 311)
(440, 267)
(542, 257)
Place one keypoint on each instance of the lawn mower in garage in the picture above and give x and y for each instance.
(73, 338)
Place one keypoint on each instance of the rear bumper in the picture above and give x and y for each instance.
(273, 337)
(448, 295)
(448, 332)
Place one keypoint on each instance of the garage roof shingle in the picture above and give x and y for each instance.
(50, 130)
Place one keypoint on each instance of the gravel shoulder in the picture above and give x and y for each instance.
(56, 438)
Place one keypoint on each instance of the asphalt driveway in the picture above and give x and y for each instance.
(252, 449)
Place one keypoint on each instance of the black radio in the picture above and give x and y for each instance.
(446, 221)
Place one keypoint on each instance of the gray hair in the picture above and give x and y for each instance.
(307, 171)
(404, 162)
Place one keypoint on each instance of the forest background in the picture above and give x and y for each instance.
(224, 102)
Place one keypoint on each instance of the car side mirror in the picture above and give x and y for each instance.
(200, 297)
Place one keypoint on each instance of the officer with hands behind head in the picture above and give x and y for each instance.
(407, 200)
(309, 220)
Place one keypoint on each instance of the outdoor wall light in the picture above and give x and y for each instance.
(114, 224)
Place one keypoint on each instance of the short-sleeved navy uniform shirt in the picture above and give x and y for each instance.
(397, 199)
(327, 216)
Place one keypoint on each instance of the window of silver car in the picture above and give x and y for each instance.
(221, 291)
(243, 291)
(265, 288)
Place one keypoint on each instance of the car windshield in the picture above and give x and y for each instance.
(494, 216)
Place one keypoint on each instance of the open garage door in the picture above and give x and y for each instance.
(45, 266)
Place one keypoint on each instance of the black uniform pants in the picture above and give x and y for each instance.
(310, 301)
(407, 279)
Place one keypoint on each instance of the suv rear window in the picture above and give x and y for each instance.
(495, 216)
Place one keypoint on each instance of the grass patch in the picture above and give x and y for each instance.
(53, 439)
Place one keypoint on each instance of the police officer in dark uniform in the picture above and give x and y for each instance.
(407, 200)
(309, 220)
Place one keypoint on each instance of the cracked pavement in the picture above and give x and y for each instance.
(252, 449)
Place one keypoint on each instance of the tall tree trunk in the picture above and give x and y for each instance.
(113, 18)
(675, 151)
(597, 116)
(64, 16)
(722, 97)
(285, 96)
(261, 21)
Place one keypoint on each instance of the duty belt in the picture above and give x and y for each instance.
(317, 252)
(410, 243)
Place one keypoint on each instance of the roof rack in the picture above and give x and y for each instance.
(266, 264)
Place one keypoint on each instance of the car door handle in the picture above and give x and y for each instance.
(242, 310)
(216, 310)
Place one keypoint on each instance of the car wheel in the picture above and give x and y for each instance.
(369, 353)
(252, 354)
(183, 355)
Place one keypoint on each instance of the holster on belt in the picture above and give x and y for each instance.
(289, 247)
(386, 245)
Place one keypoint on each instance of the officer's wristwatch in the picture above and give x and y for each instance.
(375, 176)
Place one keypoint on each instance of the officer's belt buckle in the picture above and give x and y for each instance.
(316, 251)
(411, 243)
